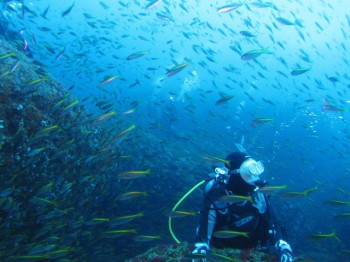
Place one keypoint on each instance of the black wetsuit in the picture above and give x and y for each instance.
(254, 217)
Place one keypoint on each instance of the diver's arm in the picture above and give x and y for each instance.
(207, 216)
(277, 230)
(203, 233)
(207, 219)
(279, 235)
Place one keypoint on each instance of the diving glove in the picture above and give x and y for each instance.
(284, 251)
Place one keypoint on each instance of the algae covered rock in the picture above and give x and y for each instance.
(182, 253)
(48, 152)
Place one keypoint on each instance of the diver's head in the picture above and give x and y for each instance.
(251, 170)
(235, 160)
(243, 167)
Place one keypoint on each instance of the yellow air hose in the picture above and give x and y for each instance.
(178, 203)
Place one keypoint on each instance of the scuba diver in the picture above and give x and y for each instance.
(236, 214)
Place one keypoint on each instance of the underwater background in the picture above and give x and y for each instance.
(111, 111)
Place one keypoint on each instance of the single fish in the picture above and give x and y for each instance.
(336, 203)
(107, 107)
(322, 236)
(300, 193)
(294, 194)
(7, 55)
(40, 249)
(70, 106)
(253, 54)
(60, 54)
(333, 108)
(228, 8)
(230, 234)
(6, 192)
(271, 189)
(34, 82)
(45, 189)
(177, 69)
(33, 39)
(49, 48)
(164, 17)
(120, 135)
(137, 55)
(284, 21)
(15, 66)
(104, 102)
(223, 100)
(131, 195)
(134, 174)
(179, 213)
(260, 121)
(213, 159)
(146, 238)
(107, 80)
(68, 10)
(117, 233)
(72, 86)
(7, 72)
(308, 191)
(247, 34)
(23, 8)
(104, 5)
(183, 7)
(103, 117)
(125, 219)
(329, 107)
(333, 79)
(309, 100)
(264, 5)
(58, 253)
(45, 12)
(299, 71)
(46, 131)
(36, 151)
(343, 190)
(343, 215)
(235, 199)
(41, 201)
(96, 221)
(152, 4)
(129, 111)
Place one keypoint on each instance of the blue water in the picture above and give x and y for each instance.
(303, 147)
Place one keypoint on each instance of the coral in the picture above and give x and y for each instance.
(180, 252)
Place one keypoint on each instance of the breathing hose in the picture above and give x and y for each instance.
(179, 202)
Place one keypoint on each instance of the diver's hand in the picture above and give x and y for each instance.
(202, 249)
(284, 251)
(286, 257)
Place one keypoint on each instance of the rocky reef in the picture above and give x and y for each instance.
(49, 151)
(181, 253)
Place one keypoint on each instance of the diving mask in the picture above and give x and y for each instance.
(251, 170)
